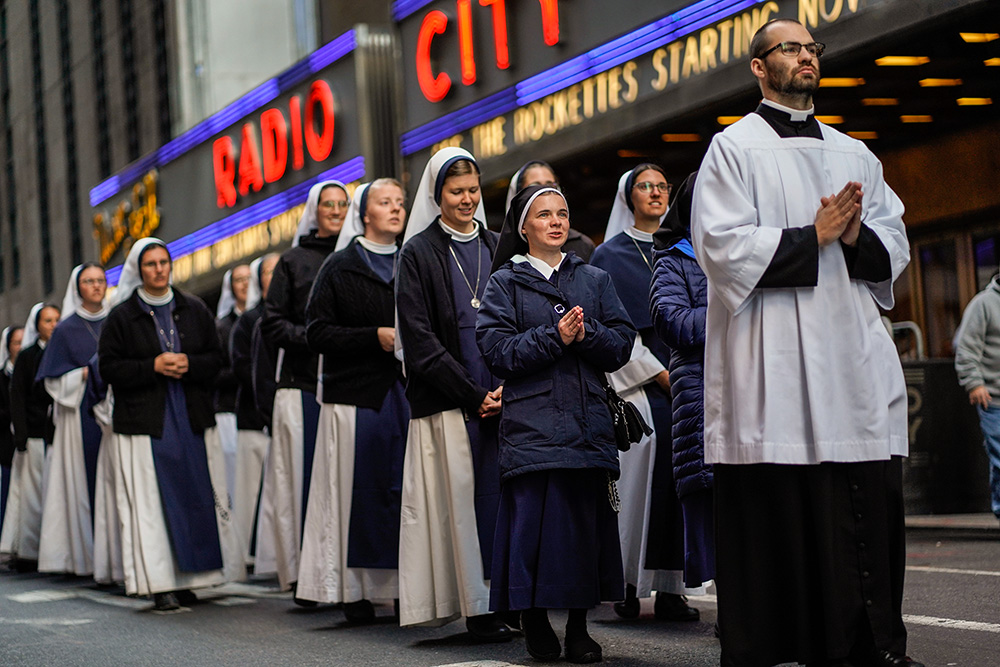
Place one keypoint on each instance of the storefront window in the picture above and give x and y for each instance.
(987, 255)
(943, 311)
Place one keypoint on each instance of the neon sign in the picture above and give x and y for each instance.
(435, 87)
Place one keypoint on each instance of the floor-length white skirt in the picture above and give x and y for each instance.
(107, 526)
(283, 487)
(66, 543)
(147, 556)
(251, 450)
(10, 533)
(440, 564)
(225, 423)
(323, 572)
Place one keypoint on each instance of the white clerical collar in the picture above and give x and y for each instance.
(539, 265)
(156, 300)
(794, 114)
(639, 235)
(93, 317)
(9, 367)
(42, 344)
(457, 235)
(377, 248)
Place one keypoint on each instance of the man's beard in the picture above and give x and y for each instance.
(793, 86)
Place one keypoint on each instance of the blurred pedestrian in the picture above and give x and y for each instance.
(10, 345)
(350, 546)
(977, 362)
(67, 539)
(451, 483)
(232, 303)
(296, 410)
(550, 326)
(651, 523)
(805, 404)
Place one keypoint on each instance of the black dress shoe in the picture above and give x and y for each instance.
(488, 628)
(671, 607)
(581, 648)
(186, 597)
(539, 637)
(630, 607)
(165, 602)
(359, 612)
(887, 659)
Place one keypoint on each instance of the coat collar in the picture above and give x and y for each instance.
(524, 274)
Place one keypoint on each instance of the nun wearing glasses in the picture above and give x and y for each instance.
(651, 521)
(31, 416)
(551, 326)
(451, 482)
(350, 546)
(296, 411)
(159, 352)
(538, 172)
(67, 539)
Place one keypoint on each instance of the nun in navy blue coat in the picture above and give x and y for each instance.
(551, 326)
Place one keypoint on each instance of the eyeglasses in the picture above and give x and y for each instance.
(93, 281)
(793, 48)
(333, 203)
(646, 187)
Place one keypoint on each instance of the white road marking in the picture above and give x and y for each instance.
(951, 623)
(482, 663)
(951, 570)
(46, 621)
(112, 600)
(46, 595)
(231, 601)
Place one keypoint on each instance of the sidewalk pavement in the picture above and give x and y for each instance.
(978, 526)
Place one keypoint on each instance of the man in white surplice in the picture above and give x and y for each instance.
(805, 404)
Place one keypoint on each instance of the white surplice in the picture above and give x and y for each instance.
(799, 375)
(441, 574)
(66, 543)
(323, 572)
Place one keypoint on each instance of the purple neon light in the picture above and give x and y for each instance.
(599, 59)
(352, 170)
(403, 8)
(219, 121)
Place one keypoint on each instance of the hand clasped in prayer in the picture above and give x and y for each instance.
(172, 364)
(571, 328)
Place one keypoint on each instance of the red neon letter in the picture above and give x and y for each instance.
(465, 50)
(433, 87)
(224, 166)
(499, 31)
(251, 175)
(550, 21)
(295, 111)
(319, 145)
(274, 138)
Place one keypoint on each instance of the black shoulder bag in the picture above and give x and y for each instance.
(629, 425)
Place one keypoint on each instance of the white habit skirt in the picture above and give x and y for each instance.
(67, 538)
(107, 527)
(251, 450)
(323, 572)
(634, 488)
(147, 555)
(283, 486)
(225, 423)
(24, 502)
(10, 535)
(440, 565)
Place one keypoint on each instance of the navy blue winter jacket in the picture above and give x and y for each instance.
(678, 300)
(554, 410)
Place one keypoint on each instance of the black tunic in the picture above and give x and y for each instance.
(226, 385)
(30, 404)
(240, 344)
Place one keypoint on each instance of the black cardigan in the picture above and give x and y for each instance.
(436, 379)
(6, 435)
(284, 321)
(128, 347)
(242, 359)
(30, 404)
(348, 304)
(226, 384)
